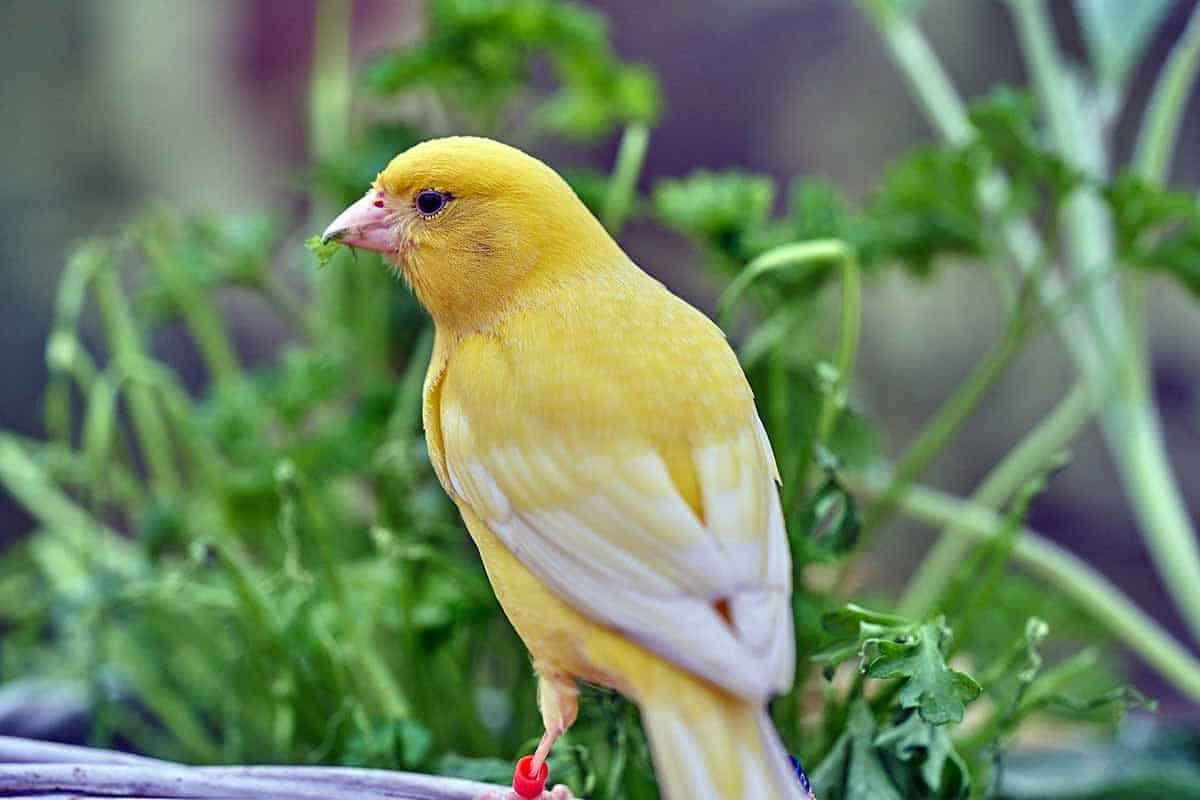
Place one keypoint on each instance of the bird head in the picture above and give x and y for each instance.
(475, 227)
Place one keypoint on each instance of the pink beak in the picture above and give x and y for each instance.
(364, 224)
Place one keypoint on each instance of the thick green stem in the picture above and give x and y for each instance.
(947, 113)
(330, 81)
(1090, 590)
(918, 63)
(329, 96)
(198, 310)
(1130, 421)
(1143, 462)
(622, 185)
(1087, 226)
(126, 347)
(286, 305)
(200, 453)
(37, 494)
(1156, 143)
(1160, 125)
(937, 433)
(1050, 436)
(805, 257)
(65, 355)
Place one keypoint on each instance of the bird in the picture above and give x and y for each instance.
(601, 442)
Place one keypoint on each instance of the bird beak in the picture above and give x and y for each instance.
(364, 225)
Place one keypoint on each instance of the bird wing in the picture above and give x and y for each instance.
(675, 538)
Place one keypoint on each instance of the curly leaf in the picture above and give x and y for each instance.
(938, 692)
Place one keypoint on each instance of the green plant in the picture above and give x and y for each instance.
(268, 569)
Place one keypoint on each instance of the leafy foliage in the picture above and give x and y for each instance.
(888, 646)
(265, 568)
(908, 753)
(1157, 229)
(912, 759)
(722, 210)
(1007, 138)
(483, 53)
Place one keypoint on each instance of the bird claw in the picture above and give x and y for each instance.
(559, 792)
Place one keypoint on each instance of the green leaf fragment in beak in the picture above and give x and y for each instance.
(324, 251)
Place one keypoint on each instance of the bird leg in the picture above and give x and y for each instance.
(558, 698)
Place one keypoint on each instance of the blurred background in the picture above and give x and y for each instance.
(113, 106)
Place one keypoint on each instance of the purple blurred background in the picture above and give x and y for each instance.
(111, 106)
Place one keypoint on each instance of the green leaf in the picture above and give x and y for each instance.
(324, 251)
(926, 747)
(829, 519)
(851, 620)
(1007, 137)
(925, 210)
(1117, 31)
(853, 769)
(938, 692)
(486, 54)
(718, 209)
(1157, 229)
(816, 210)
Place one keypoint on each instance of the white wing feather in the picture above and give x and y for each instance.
(613, 537)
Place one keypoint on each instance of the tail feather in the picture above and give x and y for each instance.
(717, 747)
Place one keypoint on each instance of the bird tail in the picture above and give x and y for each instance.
(710, 745)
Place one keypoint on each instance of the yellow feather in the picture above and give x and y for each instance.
(601, 442)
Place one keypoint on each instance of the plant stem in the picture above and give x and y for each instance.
(329, 83)
(33, 489)
(1156, 142)
(1130, 421)
(807, 257)
(1160, 124)
(947, 113)
(1094, 593)
(126, 348)
(1087, 225)
(622, 185)
(918, 63)
(1143, 464)
(64, 352)
(1051, 435)
(329, 96)
(286, 305)
(938, 431)
(198, 311)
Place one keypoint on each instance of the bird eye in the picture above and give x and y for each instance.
(429, 202)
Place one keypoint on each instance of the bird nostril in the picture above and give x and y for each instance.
(379, 204)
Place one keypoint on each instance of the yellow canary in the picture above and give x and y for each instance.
(601, 442)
